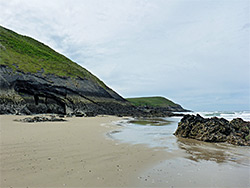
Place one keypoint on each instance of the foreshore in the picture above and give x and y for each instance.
(75, 153)
(78, 153)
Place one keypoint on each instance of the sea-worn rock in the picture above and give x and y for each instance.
(41, 119)
(214, 130)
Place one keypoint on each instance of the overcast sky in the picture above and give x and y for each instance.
(193, 52)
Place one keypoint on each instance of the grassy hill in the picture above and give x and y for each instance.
(152, 102)
(30, 56)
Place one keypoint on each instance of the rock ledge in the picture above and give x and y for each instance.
(214, 129)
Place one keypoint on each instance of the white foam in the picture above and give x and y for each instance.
(229, 115)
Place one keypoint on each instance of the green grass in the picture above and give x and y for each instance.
(30, 56)
(151, 101)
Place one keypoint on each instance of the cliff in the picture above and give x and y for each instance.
(36, 79)
(156, 103)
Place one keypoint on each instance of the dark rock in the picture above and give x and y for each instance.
(79, 114)
(35, 93)
(176, 115)
(90, 114)
(214, 130)
(34, 79)
(40, 119)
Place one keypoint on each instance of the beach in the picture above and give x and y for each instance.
(85, 152)
(75, 153)
(188, 162)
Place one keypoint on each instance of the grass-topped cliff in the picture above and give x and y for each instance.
(152, 102)
(36, 79)
(156, 103)
(30, 56)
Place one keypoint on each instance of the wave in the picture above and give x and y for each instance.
(229, 115)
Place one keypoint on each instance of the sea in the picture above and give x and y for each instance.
(227, 165)
(158, 132)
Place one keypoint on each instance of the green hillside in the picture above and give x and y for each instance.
(151, 102)
(30, 56)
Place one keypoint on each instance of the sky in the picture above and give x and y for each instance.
(194, 52)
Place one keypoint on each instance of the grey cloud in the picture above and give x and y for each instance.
(194, 52)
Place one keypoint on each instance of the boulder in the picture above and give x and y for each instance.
(214, 130)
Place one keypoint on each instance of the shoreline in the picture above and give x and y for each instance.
(80, 153)
(74, 153)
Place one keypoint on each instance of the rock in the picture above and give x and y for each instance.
(214, 130)
(79, 114)
(40, 119)
(90, 114)
(35, 79)
(34, 93)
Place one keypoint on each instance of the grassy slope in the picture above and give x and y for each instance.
(28, 55)
(151, 101)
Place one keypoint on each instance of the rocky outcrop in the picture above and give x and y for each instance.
(36, 93)
(162, 111)
(214, 130)
(35, 79)
(26, 93)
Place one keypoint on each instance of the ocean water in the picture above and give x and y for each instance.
(196, 163)
(158, 134)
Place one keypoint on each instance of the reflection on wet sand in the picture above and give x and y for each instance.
(150, 121)
(217, 152)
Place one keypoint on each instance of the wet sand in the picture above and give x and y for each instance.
(202, 165)
(193, 163)
(76, 153)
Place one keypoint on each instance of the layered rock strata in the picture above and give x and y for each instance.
(28, 93)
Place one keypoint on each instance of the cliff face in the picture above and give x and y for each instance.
(36, 79)
(34, 93)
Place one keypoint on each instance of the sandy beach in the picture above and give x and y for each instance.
(79, 153)
(75, 153)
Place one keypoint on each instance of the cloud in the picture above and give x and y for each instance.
(190, 51)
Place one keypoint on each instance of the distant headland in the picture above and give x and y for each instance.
(35, 79)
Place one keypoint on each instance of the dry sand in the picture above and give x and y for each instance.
(76, 153)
